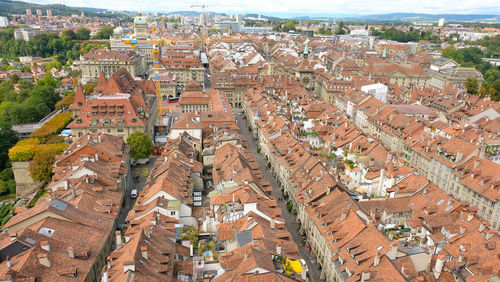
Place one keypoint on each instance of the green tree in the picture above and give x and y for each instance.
(290, 25)
(53, 64)
(105, 32)
(141, 145)
(472, 85)
(68, 34)
(8, 138)
(340, 29)
(82, 33)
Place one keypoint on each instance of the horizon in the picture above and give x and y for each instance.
(317, 8)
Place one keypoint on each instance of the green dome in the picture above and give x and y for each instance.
(139, 20)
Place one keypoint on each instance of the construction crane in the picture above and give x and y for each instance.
(156, 61)
(203, 27)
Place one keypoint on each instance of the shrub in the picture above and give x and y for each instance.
(21, 153)
(66, 101)
(41, 166)
(53, 126)
(26, 149)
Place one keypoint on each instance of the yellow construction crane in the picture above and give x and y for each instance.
(203, 27)
(156, 61)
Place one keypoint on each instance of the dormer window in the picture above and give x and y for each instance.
(481, 181)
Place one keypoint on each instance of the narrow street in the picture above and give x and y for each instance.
(138, 176)
(290, 223)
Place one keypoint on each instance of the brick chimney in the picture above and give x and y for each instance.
(462, 228)
(144, 252)
(71, 252)
(44, 260)
(273, 223)
(345, 212)
(278, 247)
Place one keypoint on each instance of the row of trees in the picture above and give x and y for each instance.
(402, 36)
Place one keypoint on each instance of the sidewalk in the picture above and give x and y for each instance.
(290, 223)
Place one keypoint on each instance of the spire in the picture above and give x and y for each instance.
(101, 82)
(306, 52)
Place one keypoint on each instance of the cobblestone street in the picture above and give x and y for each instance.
(290, 223)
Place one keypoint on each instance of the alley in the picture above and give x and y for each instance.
(290, 223)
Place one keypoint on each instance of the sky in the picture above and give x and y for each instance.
(297, 7)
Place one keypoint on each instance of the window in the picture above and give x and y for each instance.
(172, 213)
(119, 130)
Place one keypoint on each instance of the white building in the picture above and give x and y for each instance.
(4, 22)
(441, 22)
(377, 90)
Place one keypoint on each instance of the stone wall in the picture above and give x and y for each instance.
(25, 185)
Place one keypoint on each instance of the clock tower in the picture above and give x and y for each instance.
(305, 71)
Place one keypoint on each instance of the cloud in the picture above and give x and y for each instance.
(297, 7)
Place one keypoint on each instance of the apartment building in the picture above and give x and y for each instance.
(118, 106)
(109, 62)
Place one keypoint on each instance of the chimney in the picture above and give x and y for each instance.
(344, 214)
(483, 225)
(273, 223)
(278, 248)
(460, 156)
(393, 252)
(246, 256)
(490, 234)
(438, 267)
(13, 237)
(45, 245)
(376, 259)
(118, 239)
(105, 277)
(99, 137)
(9, 262)
(71, 253)
(97, 156)
(470, 216)
(460, 257)
(462, 228)
(144, 252)
(44, 260)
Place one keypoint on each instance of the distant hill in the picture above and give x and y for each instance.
(8, 7)
(410, 17)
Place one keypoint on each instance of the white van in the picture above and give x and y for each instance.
(133, 193)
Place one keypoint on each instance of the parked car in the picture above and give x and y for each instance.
(133, 193)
